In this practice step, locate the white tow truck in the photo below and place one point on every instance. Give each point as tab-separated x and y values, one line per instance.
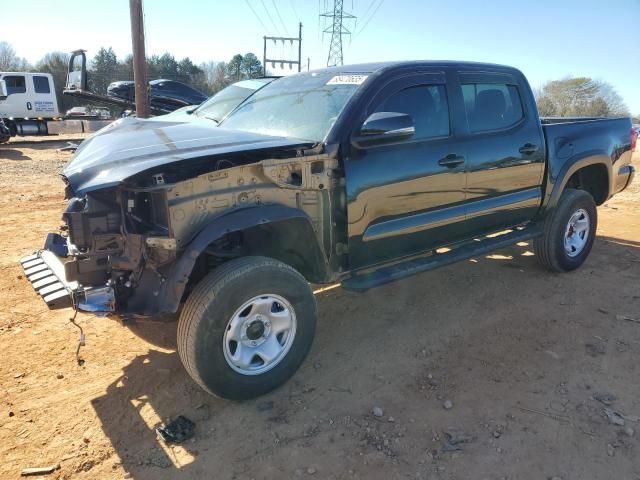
27	101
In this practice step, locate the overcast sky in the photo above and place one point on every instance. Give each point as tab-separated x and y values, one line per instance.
546	39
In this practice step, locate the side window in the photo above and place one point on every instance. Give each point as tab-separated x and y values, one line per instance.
41	84
15	84
491	106
427	105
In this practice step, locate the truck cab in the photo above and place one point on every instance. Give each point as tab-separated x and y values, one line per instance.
30	100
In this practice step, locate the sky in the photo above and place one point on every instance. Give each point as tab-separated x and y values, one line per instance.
546	39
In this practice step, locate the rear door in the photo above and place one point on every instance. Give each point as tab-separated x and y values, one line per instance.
504	150
406	197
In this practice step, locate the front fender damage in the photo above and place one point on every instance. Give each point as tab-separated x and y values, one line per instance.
136	248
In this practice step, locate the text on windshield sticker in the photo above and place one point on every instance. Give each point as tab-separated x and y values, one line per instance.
347	80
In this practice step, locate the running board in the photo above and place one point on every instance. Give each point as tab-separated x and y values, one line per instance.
365	281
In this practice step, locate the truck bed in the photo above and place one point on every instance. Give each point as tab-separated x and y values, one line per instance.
590	137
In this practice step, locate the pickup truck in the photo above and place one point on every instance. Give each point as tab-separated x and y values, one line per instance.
360	175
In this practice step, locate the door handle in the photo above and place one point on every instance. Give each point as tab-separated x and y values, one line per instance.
528	149
451	160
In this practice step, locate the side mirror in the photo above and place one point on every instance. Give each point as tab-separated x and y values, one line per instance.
383	128
3	90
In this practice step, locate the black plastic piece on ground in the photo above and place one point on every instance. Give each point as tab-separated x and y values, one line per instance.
177	431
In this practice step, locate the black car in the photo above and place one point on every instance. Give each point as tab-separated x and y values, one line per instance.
163	94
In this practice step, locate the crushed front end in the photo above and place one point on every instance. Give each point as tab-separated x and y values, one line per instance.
96	261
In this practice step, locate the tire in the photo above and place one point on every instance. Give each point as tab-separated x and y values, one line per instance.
574	206
213	316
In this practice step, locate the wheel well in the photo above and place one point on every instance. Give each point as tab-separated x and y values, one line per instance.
593	179
292	242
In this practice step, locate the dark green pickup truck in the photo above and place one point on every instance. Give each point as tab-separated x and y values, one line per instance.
358	175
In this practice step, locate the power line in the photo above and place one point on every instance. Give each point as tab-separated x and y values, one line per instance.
256	15
286	31
294	10
373	14
366	12
270	19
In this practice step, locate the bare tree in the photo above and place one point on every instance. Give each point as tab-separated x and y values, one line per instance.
9	61
580	96
220	77
214	76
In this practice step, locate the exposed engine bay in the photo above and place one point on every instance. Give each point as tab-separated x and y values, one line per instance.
118	244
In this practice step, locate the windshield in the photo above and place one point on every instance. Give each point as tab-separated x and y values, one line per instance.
302	106
228	98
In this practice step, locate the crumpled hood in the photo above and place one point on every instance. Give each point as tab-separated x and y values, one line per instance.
130	146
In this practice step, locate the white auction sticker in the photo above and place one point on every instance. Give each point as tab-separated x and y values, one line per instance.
347	80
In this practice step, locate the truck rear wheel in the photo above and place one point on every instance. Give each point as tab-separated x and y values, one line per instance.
247	327
569	232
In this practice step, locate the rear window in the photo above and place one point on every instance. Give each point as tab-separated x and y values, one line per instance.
15	84
491	106
41	84
427	106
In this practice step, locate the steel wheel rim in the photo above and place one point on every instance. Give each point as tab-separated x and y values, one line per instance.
576	234
259	334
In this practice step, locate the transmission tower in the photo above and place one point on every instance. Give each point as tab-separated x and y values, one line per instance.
337	29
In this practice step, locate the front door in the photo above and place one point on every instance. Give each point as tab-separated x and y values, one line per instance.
406	197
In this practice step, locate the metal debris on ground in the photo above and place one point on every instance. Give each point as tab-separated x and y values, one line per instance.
177	431
614	417
71	147
454	439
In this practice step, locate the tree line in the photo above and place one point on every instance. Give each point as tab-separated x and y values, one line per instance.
105	67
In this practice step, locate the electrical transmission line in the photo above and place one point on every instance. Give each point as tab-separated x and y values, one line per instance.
286	31
256	15
269	17
337	29
369	19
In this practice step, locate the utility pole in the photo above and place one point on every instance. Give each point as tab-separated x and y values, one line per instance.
337	29
139	59
299	47
282	61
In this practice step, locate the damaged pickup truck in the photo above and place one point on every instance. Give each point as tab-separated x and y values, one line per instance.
358	175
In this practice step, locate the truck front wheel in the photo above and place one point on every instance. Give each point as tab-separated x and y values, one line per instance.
568	233
247	327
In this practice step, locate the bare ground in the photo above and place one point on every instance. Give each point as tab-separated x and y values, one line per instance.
523	355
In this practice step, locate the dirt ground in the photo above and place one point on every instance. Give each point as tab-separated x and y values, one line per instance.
529	360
